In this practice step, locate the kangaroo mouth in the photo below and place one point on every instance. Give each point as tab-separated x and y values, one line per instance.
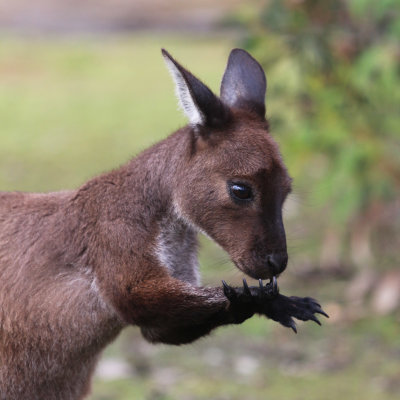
257	272
271	287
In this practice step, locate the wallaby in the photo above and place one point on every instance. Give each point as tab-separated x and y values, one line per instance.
78	266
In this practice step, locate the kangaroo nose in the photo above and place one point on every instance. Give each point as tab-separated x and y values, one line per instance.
277	262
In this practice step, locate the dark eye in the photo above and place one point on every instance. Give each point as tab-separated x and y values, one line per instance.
240	191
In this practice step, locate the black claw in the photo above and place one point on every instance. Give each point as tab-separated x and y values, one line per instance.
274	282
315	319
228	291
246	289
322	312
293	326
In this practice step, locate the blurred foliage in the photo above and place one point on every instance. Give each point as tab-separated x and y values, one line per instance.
335	109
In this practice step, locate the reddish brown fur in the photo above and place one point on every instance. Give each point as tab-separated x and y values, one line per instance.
78	266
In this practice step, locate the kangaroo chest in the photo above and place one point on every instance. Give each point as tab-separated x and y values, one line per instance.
177	249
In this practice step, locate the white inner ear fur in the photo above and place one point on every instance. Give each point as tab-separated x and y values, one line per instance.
185	99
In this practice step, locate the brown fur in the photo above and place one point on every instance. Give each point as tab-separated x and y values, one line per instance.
78	266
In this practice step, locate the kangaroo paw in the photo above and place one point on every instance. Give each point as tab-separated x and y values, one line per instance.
283	309
266	300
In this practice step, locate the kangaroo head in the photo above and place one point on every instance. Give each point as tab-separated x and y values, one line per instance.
233	184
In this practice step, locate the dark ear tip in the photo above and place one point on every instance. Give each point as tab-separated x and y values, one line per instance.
238	50
166	54
240	53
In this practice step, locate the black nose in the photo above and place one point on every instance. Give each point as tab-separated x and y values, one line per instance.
277	262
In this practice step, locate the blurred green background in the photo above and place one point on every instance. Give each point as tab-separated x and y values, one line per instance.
83	88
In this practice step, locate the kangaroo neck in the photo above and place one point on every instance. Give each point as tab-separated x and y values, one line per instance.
154	174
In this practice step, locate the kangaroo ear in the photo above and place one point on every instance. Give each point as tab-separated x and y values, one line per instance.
244	84
197	101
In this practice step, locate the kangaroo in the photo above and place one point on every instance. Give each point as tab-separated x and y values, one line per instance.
78	266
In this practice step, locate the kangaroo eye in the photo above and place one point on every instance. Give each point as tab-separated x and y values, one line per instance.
240	191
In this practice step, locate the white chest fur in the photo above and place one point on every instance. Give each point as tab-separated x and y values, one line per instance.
177	249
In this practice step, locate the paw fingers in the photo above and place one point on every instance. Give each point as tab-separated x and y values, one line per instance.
305	309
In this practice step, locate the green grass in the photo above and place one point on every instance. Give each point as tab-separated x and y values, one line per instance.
72	108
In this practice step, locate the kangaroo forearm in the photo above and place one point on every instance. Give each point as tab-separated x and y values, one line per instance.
154	303
184	333
175	312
